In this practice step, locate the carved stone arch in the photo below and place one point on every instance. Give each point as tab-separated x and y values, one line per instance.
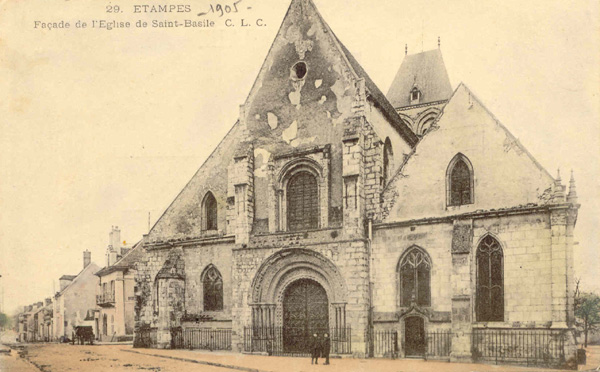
289	172
284	269
426	120
451	199
408	121
287	265
297	165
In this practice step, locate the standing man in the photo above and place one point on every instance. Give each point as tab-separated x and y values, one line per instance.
315	349
326	346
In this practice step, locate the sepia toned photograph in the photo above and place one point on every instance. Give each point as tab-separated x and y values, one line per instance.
299	185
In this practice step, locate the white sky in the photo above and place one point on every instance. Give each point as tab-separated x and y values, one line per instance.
98	128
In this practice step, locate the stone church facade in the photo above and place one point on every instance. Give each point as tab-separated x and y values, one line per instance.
385	221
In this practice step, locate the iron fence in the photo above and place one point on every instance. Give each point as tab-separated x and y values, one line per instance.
201	338
145	338
541	347
290	342
385	343
439	344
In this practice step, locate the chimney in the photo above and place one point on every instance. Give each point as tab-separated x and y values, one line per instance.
112	258
115	238
87	258
48	301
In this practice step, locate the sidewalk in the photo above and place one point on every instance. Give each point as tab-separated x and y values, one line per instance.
254	363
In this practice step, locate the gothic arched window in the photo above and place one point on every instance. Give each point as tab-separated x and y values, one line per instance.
459	181
210	211
414	278
212	284
388	154
490	281
302	202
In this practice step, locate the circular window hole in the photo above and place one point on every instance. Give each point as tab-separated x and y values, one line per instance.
299	70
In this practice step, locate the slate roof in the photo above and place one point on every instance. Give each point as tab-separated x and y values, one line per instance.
427	71
126	262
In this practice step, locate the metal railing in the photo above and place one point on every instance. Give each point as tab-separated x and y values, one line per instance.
386	344
105	298
541	347
292	342
201	338
439	344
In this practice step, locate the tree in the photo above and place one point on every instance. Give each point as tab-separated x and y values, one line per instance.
4	321
587	312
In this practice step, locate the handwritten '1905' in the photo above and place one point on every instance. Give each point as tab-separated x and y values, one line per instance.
222	9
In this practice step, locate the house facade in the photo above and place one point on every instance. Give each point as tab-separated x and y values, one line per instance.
115	296
402	224
77	296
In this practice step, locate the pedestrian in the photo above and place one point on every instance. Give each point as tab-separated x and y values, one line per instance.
315	349
325	347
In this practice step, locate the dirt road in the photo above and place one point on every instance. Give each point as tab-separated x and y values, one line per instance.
123	358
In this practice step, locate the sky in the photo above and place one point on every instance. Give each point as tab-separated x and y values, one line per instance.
104	127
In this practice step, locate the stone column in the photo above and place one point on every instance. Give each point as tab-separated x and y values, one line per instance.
462	241
241	191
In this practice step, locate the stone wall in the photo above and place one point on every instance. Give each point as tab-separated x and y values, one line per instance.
526	244
349	257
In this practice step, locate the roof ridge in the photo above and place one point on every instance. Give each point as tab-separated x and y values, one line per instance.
506	130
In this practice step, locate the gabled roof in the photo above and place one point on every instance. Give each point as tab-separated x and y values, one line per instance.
426	71
357	70
90	266
126	262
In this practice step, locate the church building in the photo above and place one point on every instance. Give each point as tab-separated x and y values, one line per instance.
407	224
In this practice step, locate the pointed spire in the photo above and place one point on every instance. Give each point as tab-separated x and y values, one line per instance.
572	197
405	49
439	43
559	190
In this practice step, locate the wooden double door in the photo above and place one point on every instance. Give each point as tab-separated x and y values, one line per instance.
305	312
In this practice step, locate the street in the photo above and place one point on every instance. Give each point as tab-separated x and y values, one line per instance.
66	357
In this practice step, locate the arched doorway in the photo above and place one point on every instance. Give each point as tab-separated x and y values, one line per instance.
305	312
414	336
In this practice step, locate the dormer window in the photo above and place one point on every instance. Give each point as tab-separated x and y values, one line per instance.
415	95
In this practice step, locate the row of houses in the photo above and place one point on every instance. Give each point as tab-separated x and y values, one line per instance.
99	297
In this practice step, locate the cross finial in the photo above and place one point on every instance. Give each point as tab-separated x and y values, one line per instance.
405	49
439	43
